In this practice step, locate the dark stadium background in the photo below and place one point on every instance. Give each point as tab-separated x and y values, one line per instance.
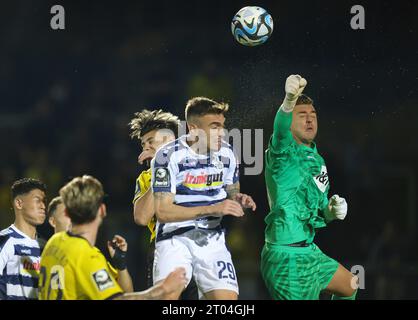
66	98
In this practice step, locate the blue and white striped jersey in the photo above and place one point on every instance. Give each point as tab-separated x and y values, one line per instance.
195	179
19	265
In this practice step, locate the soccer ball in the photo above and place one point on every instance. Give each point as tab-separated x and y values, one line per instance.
252	26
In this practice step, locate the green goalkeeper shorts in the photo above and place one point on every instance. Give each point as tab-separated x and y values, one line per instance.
296	273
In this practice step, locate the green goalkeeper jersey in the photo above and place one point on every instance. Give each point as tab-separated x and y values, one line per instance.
297	186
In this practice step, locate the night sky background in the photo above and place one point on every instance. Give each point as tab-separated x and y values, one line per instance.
66	97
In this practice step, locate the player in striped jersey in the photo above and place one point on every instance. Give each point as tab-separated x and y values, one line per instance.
20	250
195	183
153	129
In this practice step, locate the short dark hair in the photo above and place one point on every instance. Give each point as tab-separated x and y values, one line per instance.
146	121
82	198
26	185
52	207
200	106
304	99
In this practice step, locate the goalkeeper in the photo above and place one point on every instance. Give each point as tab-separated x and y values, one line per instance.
292	265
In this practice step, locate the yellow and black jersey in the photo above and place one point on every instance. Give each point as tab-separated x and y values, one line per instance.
72	269
143	183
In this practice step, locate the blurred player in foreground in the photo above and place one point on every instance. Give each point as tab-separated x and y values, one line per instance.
293	267
195	183
153	129
118	247
72	268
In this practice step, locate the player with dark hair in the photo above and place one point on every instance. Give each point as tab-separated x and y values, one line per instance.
292	265
153	129
195	183
72	268
20	250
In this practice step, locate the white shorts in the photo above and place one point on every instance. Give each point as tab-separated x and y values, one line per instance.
203	254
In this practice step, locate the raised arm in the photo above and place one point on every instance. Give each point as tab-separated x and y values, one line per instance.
283	120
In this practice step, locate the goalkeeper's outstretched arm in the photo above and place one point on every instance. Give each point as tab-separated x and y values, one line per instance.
283	120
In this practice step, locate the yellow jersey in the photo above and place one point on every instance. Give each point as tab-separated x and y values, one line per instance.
72	269
143	183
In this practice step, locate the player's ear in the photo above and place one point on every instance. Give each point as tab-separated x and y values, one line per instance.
191	126
165	138
51	221
169	136
102	210
18	203
193	130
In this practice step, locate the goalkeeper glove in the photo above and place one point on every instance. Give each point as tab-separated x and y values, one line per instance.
336	209
293	87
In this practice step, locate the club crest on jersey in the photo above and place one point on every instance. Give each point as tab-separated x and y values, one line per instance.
217	164
162	177
103	280
321	180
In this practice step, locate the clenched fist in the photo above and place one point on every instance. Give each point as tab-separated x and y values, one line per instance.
294	87
337	208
